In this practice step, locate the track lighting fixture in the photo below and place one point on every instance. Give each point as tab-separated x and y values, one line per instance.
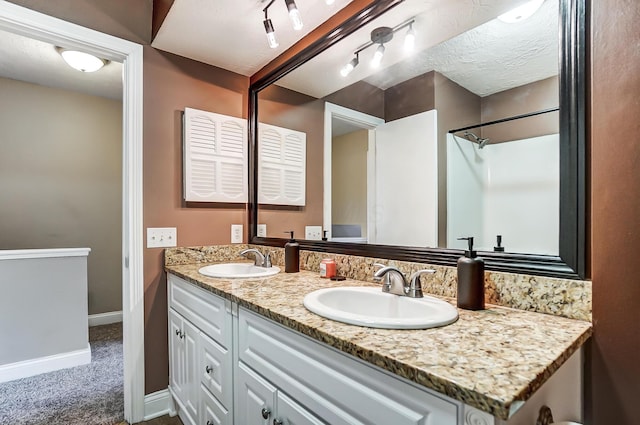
409	39
268	27
380	36
271	33
294	14
377	56
346	70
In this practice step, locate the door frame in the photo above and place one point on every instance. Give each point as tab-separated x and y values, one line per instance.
365	121
26	22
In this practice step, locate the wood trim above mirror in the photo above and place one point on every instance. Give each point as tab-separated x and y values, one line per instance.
571	263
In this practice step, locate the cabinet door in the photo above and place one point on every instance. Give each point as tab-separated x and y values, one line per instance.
256	400
177	360
291	413
211	411
214	370
191	336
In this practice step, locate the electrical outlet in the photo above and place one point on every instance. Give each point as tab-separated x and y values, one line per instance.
313	233
161	237
236	233
262	230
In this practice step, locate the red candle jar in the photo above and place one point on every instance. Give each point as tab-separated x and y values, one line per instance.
327	268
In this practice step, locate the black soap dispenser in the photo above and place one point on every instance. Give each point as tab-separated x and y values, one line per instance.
470	279
498	247
291	255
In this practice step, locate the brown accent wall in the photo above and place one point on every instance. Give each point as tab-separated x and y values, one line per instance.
172	83
128	19
360	96
410	97
532	97
613	369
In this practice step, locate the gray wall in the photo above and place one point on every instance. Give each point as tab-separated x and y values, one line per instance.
61	179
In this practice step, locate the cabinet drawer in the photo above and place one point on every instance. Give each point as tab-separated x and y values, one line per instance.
205	310
211	411
335	387
215	370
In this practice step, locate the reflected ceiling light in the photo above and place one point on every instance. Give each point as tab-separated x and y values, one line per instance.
329	2
81	61
409	39
522	12
377	56
294	14
346	70
380	36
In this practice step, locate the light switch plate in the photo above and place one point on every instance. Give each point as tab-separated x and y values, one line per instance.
262	230
161	237
236	233
313	233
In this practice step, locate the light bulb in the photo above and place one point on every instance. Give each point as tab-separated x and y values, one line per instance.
82	61
521	13
410	40
346	70
294	14
377	56
271	34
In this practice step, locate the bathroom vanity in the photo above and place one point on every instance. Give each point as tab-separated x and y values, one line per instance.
248	352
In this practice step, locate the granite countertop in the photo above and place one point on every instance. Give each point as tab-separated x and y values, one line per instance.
493	359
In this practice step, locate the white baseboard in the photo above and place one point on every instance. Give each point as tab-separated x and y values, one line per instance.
105	318
158	404
46	364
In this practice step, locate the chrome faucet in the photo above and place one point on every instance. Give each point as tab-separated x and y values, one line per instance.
395	282
259	259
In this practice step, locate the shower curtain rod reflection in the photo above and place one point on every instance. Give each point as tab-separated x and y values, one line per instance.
516	117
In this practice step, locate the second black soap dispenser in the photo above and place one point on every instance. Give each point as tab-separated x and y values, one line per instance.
291	255
470	279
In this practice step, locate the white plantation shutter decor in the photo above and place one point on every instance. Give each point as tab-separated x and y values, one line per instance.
282	165
215	157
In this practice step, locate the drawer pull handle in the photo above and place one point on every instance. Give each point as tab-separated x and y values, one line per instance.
265	413
180	334
208	369
277	422
210	423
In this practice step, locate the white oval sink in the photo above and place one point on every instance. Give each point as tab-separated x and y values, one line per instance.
373	308
238	270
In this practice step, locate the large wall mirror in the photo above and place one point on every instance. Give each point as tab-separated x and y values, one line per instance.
471	123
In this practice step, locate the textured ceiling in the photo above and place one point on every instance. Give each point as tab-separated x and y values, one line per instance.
36	62
230	34
459	38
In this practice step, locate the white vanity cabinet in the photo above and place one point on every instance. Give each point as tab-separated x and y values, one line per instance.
229	365
200	358
296	371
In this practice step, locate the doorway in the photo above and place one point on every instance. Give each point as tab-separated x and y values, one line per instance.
19	20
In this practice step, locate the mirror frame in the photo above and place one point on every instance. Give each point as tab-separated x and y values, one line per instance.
571	261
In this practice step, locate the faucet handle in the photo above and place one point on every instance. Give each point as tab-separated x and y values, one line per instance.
267	260
415	287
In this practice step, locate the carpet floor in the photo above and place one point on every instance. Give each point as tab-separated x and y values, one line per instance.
91	394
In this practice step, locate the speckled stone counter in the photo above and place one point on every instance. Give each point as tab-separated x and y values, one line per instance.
492	360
